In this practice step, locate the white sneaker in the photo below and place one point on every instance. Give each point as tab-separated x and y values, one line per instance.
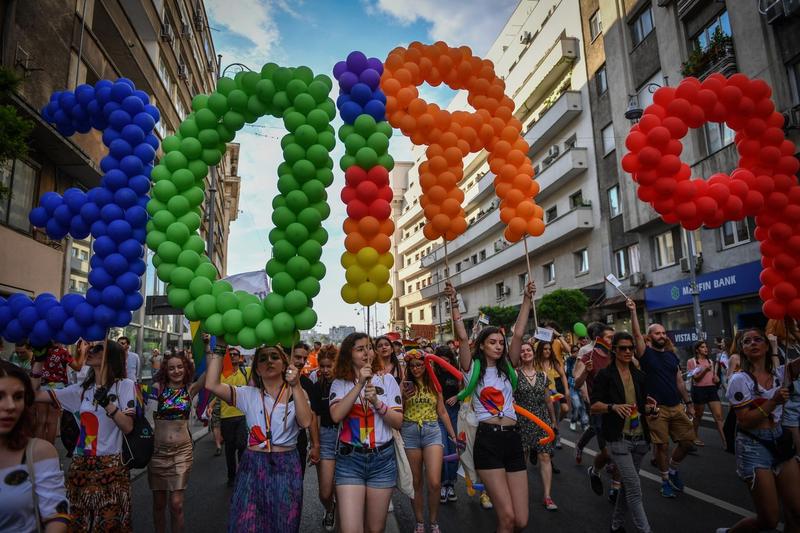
572	426
443	495
391	506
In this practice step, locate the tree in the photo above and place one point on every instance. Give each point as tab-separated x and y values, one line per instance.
563	306
14	130
502	317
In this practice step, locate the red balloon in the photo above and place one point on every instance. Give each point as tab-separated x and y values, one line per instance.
773	309
380	209
367	191
354	175
356	209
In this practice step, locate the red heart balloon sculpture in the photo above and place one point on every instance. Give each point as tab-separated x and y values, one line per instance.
764	184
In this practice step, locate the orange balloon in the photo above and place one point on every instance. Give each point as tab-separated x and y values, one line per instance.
458	226
514	197
417	107
387	227
535	227
518	225
369	226
350	225
522	182
430	233
354	242
507	213
381	243
437	194
525	209
438	164
451	207
427	180
440	222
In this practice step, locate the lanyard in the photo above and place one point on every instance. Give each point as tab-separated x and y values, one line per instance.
268	419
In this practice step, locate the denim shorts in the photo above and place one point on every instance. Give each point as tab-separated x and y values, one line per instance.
375	470
327	442
417	437
752	455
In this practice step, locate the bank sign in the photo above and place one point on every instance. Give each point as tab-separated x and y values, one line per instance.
725	283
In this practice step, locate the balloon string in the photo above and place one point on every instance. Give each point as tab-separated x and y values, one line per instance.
447	278
530	278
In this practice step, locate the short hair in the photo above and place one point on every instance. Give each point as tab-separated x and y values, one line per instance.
551	324
317	343
593	329
603	328
301	345
123	337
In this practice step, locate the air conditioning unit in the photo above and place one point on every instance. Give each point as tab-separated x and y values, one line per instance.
499	245
638	279
166	32
186	29
526	37
552	153
537	169
791	118
183	71
506	291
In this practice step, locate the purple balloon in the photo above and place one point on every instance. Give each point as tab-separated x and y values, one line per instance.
356	62
371	78
346	81
339	68
375	64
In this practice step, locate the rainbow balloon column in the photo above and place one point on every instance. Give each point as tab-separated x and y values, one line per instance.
367	193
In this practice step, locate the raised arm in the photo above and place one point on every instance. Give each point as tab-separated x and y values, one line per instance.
198	384
636	330
213	370
522	321
460	332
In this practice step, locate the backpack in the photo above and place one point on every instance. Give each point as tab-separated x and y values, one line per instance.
138	445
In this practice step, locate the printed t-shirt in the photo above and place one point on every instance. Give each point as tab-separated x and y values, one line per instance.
708	378
239	378
421	407
661	369
633	424
54	368
493	395
99	435
742	391
362	427
279	429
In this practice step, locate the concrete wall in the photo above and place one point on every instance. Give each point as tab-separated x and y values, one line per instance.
32	268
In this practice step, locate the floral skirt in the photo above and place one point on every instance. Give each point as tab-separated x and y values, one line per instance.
99	493
269	493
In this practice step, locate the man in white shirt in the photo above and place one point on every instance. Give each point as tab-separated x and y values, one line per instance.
131	359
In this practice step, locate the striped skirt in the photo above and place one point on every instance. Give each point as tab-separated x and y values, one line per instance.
269	493
99	493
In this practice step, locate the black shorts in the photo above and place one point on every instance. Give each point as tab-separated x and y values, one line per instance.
498	449
704	395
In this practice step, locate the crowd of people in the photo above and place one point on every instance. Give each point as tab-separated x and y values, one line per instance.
373	416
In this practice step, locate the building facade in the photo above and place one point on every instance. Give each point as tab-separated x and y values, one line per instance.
632	48
166	48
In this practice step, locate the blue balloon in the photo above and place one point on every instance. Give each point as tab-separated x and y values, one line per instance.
361	93
133	301
145	152
73	328
98	228
131	249
356	61
101	196
344	97
84	94
110	135
119	118
139	184
131	165
153	112
128	282
123	318
41	334
370	77
116	264
126	197
379	96
108	163
70	302
79	114
347	80
17	302
104	246
111	212
63	215
138	267
56	316
110	107
50	201
90	212
104	315
78	228
5	316
119	230
84	314
103	93
375	64
95	261
143	96
28	317
95	332
126	81
94	296
350	111
145	121
376	110
152	140
136	216
14	331
339	68
132	105
66	101
121	90
100	279
74	198
113	297
140	234
55	230
119	148
133	133
38	216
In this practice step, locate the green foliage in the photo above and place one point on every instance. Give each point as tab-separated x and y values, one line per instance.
14	130
564	306
502	317
700	60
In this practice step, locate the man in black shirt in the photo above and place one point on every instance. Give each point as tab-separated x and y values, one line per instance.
299	358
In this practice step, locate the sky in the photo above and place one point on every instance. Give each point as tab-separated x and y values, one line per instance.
318	34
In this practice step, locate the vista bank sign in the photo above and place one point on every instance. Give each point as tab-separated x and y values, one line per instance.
725	283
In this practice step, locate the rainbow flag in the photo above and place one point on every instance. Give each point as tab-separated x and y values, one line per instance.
556	396
198	349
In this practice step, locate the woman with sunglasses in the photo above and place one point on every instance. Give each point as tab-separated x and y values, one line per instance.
423	408
765	454
367	405
169	468
269	482
98	483
619	394
498	454
19	454
328	432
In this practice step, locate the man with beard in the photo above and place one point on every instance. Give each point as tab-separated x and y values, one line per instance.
665	384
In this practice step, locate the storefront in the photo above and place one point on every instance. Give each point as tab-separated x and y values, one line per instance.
728	301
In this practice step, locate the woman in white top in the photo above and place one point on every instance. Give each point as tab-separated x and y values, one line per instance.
19	454
498	453
98	483
268	492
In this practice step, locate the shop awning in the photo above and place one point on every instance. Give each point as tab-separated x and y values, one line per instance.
619	300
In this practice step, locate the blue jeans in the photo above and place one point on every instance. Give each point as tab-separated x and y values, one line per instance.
579	413
376	470
449	470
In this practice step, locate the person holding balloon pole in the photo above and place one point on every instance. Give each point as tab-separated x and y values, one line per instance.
268	491
498	453
368	406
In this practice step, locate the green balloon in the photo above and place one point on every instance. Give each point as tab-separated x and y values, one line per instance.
327	139
285	168
213	324
280	101
265	90
226	133
169	251
233	120
206	270
200	286
198	168
275	267
246	298
205	119
209	138
296	200
386	161
256	106
325	80
292	154
305	135
178	205
306	319
325	176
318	91
195	243
304	103
310	286
310	250
218	104
366	157
231	339
282	217
287	139
162	220
281	77
164	270
384	127
318	119
318	270
378	142
304	74
265	332
303	170
221	287
177	232
364	125
314	190
189	259
295	302
354	143
154	239
227	301
282	283
160	173
252	314
171	143
175	160
323	209
164	190
320	236
190	313
181	277
276	235
237	100
296	88
346	131
283	251
178	297
183	179
194	195
248	338
298	267
250	82
318	155
310	218
189	127
329	108
293	120
283	324
296	234
232	321
268	70
346	162
273	304
225	85
191	220
287	184
580	329
212	156
279	201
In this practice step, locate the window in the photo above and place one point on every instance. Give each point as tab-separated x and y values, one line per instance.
522	281
720	23
474	259
500	290
481	255
582	261
570	143
734	233
418	285
410	318
664	249
551	214
595	25
642	26
576	200
458	266
549	273
422	314
718	135
633	256
793	72
614	207
433	311
600	80
20	179
608	139
621	263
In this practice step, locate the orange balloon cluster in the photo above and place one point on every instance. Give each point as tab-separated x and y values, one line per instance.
451	136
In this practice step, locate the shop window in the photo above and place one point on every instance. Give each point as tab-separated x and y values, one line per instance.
641	26
601	80
549	273
614	206
664	249
608	139
582	261
595	25
734	233
19	180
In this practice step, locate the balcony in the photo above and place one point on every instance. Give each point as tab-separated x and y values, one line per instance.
549	125
487	224
413	214
408	270
568	165
410	299
556	63
479	191
76	265
720	56
411	242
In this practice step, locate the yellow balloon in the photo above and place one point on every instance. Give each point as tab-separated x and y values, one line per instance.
367	257
379	275
386	260
349	293
367	293
348	259
384	293
355	275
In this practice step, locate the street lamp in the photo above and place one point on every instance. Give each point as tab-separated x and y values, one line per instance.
634	113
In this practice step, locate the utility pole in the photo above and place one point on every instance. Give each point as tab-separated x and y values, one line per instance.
693	288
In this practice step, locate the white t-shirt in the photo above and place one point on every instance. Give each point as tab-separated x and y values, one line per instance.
742	391
493	396
362	427
16	505
133	366
99	434
283	423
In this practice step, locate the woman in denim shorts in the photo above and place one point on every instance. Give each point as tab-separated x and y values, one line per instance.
328	432
423	408
764	453
367	406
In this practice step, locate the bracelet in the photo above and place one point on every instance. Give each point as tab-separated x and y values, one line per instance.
383	409
111	415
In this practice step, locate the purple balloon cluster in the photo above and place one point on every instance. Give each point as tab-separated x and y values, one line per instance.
113	213
359	87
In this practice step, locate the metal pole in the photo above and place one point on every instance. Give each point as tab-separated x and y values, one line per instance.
439	305
693	288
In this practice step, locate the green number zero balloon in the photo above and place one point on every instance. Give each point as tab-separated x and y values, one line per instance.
301	100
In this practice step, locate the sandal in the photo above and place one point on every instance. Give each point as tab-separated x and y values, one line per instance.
435	528
699	443
420	528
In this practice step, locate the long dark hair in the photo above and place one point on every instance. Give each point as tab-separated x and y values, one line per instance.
392	356
696	346
538	355
114	364
745	361
162	376
257	381
23	429
344	361
477	353
425	381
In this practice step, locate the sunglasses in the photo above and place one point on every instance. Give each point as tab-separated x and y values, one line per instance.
269	357
751	340
624	348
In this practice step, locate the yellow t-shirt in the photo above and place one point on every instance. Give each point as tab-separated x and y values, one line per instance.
557	348
421	407
237	379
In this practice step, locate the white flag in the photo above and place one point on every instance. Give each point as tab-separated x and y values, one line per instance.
543	334
612	279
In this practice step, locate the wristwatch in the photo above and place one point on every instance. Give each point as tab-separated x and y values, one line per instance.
610	407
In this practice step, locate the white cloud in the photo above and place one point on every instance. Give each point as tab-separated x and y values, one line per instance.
476	24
